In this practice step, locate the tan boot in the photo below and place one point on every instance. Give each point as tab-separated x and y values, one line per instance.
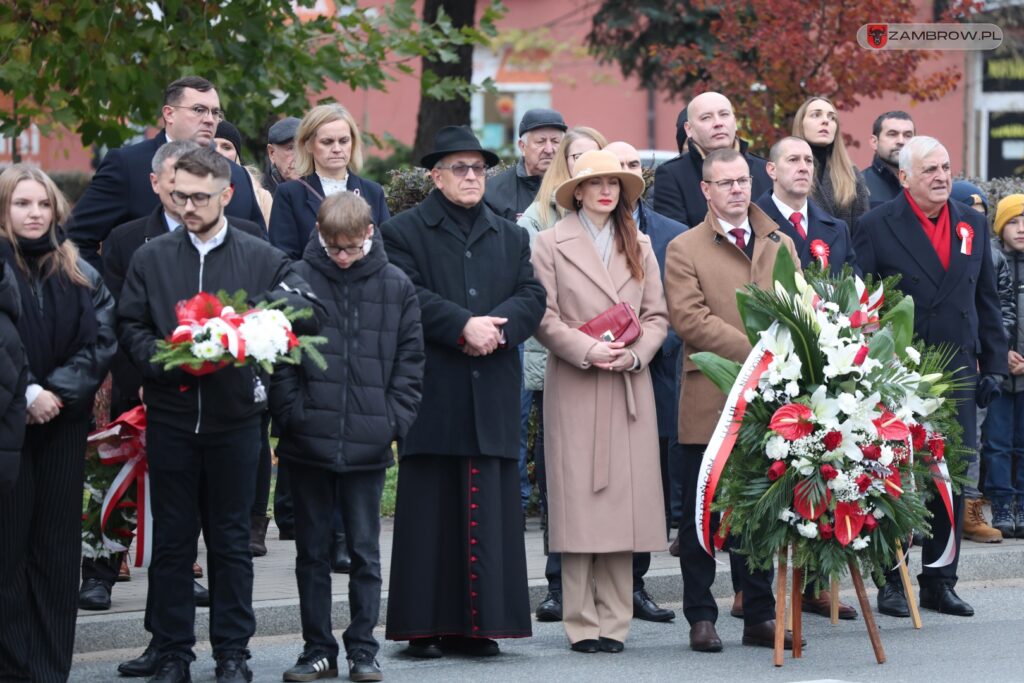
975	527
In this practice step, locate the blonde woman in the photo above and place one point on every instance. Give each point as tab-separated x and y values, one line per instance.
67	327
328	154
838	187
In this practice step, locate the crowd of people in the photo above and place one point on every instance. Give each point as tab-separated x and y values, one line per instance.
552	288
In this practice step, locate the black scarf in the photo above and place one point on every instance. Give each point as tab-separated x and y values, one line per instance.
822	155
460	215
57	316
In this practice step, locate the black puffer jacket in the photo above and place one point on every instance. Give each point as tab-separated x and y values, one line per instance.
13	380
344	418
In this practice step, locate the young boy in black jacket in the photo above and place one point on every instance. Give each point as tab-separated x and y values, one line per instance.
337	425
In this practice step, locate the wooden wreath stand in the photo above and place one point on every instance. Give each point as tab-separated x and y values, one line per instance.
796	597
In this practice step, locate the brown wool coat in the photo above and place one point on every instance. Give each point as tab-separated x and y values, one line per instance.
703	271
600	427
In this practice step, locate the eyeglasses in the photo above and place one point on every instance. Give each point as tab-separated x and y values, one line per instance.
333	251
198	198
201	111
727	184
461	170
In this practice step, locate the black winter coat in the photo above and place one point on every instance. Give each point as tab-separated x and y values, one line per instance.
510	192
344	418
470	404
169	269
13	381
882	183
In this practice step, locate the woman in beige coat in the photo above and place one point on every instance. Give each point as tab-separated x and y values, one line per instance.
601	435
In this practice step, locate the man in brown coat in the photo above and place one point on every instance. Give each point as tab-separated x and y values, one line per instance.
734	246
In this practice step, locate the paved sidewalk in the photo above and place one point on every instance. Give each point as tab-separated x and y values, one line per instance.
275	595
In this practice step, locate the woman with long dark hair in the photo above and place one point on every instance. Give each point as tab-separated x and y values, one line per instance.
601	437
67	326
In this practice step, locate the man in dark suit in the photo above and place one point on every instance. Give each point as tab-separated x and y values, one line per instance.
120	191
941	250
791	168
710	124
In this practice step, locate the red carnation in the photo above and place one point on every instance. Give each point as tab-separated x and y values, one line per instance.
825	530
863	482
918	435
828	473
777	469
832	440
792	421
937	445
870	522
871	451
862	353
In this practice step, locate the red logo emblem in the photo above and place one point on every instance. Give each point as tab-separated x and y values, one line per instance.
878	35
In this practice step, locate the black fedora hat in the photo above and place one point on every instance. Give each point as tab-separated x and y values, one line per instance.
451	139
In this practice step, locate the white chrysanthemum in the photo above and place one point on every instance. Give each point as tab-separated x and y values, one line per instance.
788	516
847	403
807	529
768	395
749	395
207	350
912	355
265	337
777	448
861	542
878	513
792	389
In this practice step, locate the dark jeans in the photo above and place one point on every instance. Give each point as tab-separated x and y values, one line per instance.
316	492
529	399
698	568
217	472
1004	446
674	499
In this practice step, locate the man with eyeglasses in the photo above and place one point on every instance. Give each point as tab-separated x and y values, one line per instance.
203	432
734	246
511	191
710	124
458	564
120	190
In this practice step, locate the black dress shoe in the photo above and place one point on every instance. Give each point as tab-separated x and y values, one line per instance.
143	665
763	635
550	609
472	647
943	599
341	563
610	645
704	637
202	595
645	608
588	646
233	670
425	648
94	595
892	602
172	670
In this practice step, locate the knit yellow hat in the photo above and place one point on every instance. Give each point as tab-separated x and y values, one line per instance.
1009	208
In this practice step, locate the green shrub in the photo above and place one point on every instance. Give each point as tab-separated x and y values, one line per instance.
71	183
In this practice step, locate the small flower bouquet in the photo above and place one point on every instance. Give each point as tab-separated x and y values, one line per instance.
833	428
212	334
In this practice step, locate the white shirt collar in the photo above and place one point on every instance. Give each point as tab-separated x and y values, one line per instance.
786	211
209	245
744	226
171	223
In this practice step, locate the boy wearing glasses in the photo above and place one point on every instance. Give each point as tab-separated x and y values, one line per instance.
337	426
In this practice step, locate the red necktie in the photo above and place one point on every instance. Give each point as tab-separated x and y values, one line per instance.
795	220
741	237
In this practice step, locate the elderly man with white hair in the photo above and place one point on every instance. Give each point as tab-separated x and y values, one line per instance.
940	249
510	192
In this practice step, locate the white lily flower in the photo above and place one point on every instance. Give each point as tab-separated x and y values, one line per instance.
886	456
804	466
825	409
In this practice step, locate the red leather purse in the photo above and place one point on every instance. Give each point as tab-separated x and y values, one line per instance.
618	324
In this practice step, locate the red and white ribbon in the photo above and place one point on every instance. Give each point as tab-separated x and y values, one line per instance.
940	475
966	234
724	437
819	250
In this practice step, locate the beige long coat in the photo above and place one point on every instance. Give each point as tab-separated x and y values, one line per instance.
600	427
703	270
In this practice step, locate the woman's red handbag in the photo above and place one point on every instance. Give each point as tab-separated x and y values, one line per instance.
618	324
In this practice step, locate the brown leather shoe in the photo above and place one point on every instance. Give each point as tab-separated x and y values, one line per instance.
124	573
704	637
763	635
823	605
737	606
673	549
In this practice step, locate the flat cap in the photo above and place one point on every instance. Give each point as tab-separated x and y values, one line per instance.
541	118
283	131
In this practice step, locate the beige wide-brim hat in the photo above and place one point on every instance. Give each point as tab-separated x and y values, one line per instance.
599	164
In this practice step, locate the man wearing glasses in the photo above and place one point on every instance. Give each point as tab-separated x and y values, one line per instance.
710	124
734	246
120	189
458	566
203	432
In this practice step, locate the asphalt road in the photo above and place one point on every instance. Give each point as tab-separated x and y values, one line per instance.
988	647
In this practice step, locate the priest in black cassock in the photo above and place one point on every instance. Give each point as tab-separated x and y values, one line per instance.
458	564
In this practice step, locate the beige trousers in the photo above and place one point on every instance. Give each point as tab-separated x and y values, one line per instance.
597	595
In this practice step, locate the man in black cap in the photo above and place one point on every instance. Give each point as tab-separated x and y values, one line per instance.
281	153
458	564
511	191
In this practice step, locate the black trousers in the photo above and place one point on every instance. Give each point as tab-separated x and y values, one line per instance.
260	502
40	552
698	568
284	514
216	472
316	493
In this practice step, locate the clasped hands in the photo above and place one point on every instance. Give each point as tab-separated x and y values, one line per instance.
482	335
46	407
613	356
